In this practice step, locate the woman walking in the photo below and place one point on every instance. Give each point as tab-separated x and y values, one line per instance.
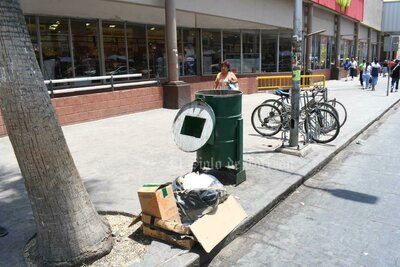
375	67
366	75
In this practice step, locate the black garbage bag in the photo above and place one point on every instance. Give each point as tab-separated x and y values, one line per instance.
194	203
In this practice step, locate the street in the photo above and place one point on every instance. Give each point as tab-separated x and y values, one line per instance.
345	215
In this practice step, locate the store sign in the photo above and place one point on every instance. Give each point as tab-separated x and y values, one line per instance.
343	4
353	9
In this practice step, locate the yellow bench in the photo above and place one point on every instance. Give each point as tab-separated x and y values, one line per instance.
308	82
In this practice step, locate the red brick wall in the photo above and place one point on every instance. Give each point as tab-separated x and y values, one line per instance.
73	109
326	72
80	108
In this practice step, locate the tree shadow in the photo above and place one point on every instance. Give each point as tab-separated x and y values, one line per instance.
349	195
15	215
139	237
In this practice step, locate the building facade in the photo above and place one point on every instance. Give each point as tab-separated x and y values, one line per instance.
77	38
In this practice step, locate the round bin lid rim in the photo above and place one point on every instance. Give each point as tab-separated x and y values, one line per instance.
231	93
195	143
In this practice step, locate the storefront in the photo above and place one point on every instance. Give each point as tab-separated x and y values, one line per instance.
92	38
116	37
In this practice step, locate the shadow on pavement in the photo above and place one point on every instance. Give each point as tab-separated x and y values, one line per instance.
349	195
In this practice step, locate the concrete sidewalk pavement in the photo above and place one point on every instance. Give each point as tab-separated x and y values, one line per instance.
116	156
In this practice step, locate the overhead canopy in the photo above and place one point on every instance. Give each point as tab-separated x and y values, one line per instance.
391	18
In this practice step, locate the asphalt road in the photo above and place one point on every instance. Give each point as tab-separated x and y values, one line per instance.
348	214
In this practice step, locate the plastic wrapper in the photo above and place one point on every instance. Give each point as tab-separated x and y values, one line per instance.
196	195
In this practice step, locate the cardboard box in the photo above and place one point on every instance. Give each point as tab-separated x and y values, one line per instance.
170	225
159	201
208	230
169	237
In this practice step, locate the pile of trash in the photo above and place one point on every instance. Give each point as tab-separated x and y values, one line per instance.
196	195
193	208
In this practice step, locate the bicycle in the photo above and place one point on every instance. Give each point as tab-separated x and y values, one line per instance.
333	104
323	98
318	124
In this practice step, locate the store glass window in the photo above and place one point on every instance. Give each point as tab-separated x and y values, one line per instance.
251	51
346	50
341	52
211	40
32	30
269	43
137	50
330	59
86	52
55	48
373	52
316	52
285	48
157	53
189	56
323	54
363	52
351	49
114	48
231	49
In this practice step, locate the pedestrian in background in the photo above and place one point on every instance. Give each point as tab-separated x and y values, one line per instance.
385	68
225	77
395	75
375	67
346	66
366	75
361	67
353	68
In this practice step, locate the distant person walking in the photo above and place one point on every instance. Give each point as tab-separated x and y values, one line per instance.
366	75
353	68
395	75
375	67
346	66
385	68
361	67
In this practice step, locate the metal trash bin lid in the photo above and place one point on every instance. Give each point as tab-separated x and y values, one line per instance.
193	126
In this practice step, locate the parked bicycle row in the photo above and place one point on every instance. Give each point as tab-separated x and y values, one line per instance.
320	118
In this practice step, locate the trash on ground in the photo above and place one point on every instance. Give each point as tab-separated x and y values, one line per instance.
196	195
158	200
194	180
360	142
214	213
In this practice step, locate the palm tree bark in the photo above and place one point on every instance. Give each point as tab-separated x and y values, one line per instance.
69	229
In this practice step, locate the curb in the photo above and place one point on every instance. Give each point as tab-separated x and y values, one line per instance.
204	258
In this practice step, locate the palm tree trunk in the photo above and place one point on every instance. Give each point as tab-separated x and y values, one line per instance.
69	230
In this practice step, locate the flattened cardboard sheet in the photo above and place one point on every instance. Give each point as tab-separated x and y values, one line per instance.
211	229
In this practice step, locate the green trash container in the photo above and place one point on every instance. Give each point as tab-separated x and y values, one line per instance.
212	125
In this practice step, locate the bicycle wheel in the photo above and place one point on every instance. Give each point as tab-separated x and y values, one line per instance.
322	125
266	120
342	112
274	102
328	106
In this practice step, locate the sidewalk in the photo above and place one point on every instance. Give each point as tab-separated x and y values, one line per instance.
116	156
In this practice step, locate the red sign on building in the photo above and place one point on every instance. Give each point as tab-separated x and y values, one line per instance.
355	10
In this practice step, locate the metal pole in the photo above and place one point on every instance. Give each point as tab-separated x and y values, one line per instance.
172	47
390	58
309	40
296	73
